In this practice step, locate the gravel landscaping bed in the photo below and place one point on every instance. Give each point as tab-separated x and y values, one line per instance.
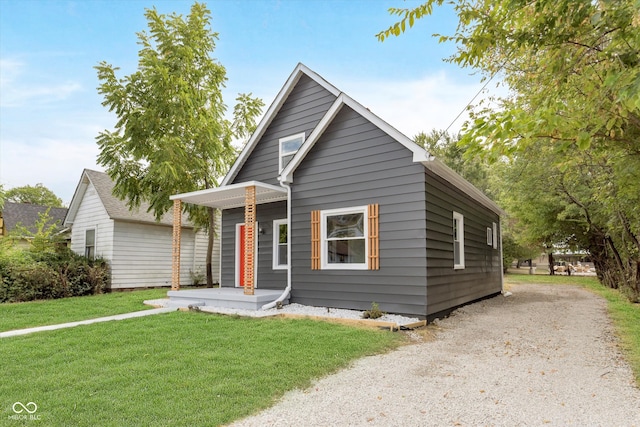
546	355
305	310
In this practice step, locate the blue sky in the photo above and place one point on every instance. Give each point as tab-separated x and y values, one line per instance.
50	111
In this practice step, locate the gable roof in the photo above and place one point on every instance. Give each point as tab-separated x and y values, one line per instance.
419	154
28	214
272	112
116	209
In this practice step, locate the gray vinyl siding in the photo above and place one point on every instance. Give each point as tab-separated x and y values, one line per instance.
448	288
301	112
267	277
354	164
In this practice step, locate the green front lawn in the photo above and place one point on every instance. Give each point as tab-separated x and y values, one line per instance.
625	315
50	312
174	369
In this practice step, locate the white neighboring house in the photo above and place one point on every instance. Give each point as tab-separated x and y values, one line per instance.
137	246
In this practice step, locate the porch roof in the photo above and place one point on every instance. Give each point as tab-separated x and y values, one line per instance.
233	195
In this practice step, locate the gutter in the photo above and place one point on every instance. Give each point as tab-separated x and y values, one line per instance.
287	290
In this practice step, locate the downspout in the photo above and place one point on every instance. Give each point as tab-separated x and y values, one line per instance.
503	291
287	290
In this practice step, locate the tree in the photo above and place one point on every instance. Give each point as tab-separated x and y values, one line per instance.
573	71
445	147
45	238
485	177
172	135
36	195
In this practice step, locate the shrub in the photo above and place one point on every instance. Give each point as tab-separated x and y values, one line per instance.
197	277
373	313
27	275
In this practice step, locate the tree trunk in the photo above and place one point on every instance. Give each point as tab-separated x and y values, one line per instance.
212	232
551	270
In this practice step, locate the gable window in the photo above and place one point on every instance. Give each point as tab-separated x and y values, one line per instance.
90	243
458	241
280	244
288	148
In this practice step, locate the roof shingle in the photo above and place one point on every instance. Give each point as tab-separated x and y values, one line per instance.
28	214
118	209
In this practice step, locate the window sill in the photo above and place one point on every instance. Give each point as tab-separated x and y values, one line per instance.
344	267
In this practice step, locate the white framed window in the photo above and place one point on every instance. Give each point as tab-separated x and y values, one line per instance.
495	236
280	245
289	146
344	238
489	236
90	243
458	241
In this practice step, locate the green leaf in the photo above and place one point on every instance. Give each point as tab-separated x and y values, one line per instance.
584	140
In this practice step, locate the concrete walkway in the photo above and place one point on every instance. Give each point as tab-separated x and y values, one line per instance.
143	313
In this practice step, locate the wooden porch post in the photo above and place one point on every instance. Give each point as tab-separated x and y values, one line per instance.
249	238
175	245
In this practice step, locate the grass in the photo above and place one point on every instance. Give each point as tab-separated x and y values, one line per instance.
625	315
51	312
175	369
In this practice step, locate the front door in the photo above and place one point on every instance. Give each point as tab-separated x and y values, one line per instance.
240	257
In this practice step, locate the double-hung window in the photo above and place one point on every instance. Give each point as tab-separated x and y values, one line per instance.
280	245
344	238
458	241
90	243
289	146
495	236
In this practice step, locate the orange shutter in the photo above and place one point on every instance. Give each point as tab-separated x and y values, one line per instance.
374	245
315	240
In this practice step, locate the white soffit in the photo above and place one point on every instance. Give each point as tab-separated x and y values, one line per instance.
233	196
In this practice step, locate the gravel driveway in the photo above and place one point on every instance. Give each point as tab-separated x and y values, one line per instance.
545	356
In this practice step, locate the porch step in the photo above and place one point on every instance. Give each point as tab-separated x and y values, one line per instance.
233	298
185	303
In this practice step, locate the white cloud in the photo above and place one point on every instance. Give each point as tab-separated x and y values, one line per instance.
20	89
56	163
9	69
414	106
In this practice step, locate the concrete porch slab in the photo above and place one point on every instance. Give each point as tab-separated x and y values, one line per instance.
223	297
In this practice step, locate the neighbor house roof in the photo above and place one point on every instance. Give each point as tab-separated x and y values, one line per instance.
28	214
116	209
420	155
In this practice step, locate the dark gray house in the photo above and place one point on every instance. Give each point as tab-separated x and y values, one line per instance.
349	211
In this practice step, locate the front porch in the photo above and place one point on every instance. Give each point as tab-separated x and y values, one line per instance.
244	296
234	298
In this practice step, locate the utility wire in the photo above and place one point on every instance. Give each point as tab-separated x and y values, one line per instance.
472	99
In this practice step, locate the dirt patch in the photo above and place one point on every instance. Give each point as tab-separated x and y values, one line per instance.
546	355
